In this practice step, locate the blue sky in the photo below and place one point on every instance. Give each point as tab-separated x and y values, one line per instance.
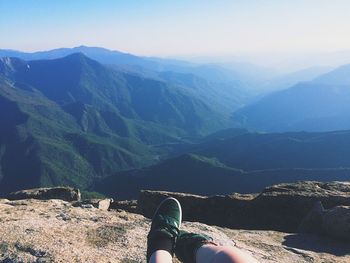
177	27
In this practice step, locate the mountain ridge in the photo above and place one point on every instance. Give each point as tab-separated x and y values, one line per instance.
318	105
237	160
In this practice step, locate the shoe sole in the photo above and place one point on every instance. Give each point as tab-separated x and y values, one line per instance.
178	203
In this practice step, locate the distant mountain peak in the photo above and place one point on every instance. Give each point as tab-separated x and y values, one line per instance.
78	58
95	50
12	64
76	55
82	46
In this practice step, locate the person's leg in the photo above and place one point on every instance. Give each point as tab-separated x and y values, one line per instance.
209	253
164	232
198	248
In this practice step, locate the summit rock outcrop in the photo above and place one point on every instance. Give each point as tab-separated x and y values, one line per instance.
55	230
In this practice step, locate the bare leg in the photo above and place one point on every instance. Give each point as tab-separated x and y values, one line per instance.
161	256
222	254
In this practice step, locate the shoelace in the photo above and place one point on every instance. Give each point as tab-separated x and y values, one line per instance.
168	224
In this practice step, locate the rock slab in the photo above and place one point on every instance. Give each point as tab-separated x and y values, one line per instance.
280	207
64	193
56	231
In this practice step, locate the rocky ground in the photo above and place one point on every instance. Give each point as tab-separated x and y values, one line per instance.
56	231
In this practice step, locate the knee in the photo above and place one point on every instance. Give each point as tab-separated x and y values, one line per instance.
232	255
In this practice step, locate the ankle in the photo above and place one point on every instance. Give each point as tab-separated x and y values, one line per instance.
160	243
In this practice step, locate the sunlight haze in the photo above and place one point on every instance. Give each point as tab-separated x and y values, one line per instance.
177	28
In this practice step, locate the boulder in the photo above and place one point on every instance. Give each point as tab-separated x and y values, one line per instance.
313	222
64	193
102	204
336	222
280	207
284	206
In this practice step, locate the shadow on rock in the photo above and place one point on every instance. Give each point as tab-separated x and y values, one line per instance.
317	244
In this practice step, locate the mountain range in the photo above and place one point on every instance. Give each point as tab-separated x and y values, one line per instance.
237	75
105	120
138	64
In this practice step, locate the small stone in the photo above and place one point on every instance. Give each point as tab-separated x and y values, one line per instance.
102	204
64	217
89	206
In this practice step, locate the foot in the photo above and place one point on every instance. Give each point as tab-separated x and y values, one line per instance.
165	227
187	245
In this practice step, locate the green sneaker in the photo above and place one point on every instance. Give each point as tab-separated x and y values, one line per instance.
187	245
165	227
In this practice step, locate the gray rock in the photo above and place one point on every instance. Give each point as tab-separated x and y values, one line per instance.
286	205
336	223
64	193
64	217
89	206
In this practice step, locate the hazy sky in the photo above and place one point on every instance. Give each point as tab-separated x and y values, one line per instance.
177	27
